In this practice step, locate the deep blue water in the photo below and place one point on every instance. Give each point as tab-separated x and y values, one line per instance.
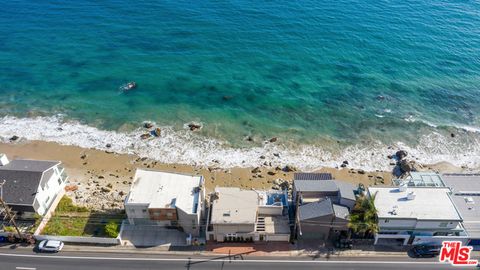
305	71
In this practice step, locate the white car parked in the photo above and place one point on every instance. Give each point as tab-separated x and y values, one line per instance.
50	246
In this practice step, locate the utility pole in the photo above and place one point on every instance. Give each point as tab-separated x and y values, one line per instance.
7	212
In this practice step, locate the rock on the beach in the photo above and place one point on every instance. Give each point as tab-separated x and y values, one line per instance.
108	145
256	170
272	140
361	171
157	132
289	168
405	166
147	125
401	154
145	136
193	126
14	138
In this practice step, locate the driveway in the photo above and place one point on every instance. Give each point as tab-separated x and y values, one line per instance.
152	236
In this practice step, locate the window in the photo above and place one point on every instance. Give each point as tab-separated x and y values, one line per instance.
443	224
387	220
169	214
144	210
59	181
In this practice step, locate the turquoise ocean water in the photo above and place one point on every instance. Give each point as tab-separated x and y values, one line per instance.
335	75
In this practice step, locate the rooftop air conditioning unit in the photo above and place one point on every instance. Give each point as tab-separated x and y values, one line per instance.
3	160
402	188
411	196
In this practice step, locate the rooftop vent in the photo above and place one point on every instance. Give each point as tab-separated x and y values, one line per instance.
3	160
411	196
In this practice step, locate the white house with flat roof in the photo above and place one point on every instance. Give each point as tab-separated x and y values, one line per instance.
238	215
166	199
416	215
465	192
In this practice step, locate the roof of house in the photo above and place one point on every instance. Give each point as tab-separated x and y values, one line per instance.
315	186
22	178
165	190
315	209
466	196
427	204
312	176
347	190
341	211
234	206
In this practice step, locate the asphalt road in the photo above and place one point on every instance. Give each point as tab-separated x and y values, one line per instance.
27	260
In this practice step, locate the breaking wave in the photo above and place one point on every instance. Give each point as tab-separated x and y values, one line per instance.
187	147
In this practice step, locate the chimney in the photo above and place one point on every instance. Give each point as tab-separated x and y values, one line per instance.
3	160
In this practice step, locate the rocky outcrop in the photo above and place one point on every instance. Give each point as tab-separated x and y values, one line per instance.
193	126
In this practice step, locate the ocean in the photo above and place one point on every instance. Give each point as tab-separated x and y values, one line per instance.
332	80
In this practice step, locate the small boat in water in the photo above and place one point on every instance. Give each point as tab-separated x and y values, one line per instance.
129	86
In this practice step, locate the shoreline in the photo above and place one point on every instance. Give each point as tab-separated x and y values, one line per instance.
101	179
190	147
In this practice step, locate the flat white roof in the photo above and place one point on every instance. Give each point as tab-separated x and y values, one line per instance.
234	206
165	190
428	204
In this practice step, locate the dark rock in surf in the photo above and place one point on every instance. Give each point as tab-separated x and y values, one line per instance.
401	154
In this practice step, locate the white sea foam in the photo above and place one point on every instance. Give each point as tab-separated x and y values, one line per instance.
190	148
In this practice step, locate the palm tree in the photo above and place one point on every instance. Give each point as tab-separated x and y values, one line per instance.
363	220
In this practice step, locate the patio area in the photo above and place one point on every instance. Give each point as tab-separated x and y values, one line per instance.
151	236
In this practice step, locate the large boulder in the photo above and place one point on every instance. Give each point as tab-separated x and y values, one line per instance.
193	126
405	166
401	154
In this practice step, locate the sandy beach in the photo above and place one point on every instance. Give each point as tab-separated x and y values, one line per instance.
101	179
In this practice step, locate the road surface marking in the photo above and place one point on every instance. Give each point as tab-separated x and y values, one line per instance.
25	268
215	260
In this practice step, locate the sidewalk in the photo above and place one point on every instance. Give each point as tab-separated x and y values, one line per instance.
231	250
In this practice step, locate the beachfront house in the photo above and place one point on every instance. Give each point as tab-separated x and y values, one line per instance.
29	187
322	206
166	199
465	193
238	215
416	215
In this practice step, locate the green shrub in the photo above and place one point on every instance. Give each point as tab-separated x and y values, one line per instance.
112	229
66	205
9	229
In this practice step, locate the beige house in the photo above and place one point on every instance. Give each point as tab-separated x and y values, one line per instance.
241	215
